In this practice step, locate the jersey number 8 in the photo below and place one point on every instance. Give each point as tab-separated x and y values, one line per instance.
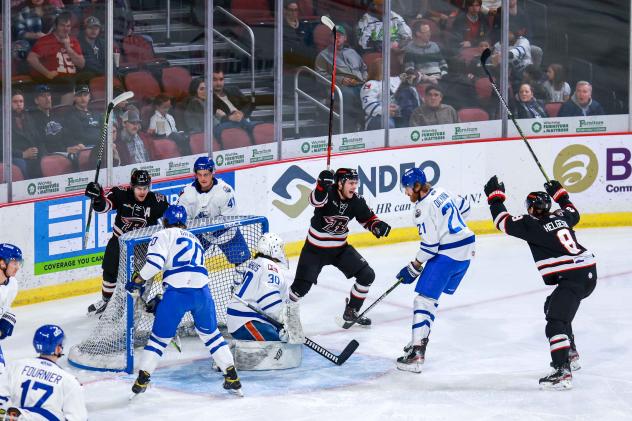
567	241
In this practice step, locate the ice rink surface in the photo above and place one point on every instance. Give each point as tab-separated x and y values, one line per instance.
486	353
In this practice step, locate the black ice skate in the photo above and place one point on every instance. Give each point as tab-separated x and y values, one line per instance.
97	308
141	383
351	314
231	381
560	378
414	357
573	357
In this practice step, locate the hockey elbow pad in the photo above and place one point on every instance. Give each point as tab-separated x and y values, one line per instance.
7	322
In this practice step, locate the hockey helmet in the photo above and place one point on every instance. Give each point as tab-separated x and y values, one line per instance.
271	245
204	163
539	200
175	215
412	176
344	174
140	178
10	252
47	338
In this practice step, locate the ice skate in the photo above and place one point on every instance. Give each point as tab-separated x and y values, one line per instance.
573	357
231	381
141	383
350	315
97	308
560	378
414	357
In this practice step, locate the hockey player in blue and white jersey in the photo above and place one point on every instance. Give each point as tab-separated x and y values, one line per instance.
447	245
10	263
210	197
37	388
180	256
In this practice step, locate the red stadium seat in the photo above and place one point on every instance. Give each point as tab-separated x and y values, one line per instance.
472	114
16	173
146	111
263	133
165	149
553	108
84	160
483	88
235	138
55	165
175	82
196	142
143	84
136	50
371	57
97	87
306	9
251	10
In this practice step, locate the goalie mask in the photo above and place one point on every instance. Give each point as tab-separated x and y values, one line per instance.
271	245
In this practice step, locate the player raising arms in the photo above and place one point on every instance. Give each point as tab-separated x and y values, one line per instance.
179	254
336	203
447	245
136	207
37	388
10	263
561	260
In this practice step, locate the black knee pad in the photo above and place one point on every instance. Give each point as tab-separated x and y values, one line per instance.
301	287
366	276
555	327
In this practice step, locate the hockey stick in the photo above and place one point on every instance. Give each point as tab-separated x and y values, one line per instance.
336	359
104	134
484	56
325	20
347	325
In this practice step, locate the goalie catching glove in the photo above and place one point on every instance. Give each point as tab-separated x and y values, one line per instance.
409	273
495	190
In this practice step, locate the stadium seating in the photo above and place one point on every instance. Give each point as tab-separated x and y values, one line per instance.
143	84
553	108
235	138
263	133
175	82
84	160
16	173
164	149
467	115
55	165
97	87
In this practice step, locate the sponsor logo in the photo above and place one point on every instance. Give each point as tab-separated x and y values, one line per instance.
591	126
305	147
219	160
618	168
428	135
43	187
230	158
549	127
576	167
76	183
178	167
260	155
463	133
303	181
31	189
352	143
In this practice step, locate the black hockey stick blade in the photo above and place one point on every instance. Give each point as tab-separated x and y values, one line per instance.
347	352
336	359
485	55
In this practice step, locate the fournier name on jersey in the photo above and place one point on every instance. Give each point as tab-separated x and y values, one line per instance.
440	220
220	200
180	255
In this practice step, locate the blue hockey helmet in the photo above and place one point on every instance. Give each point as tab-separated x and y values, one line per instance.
175	215
204	163
10	252
412	176
47	338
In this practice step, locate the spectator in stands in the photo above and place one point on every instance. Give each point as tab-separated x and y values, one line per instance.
559	90
371	96
442	12
433	111
93	48
130	146
526	105
458	85
351	73
490	7
296	51
424	56
194	111
534	77
57	57
470	28
162	125
43	127
370	31
94	153
122	107
581	103
406	97
519	58
519	22
25	153
82	128
231	108
34	20
411	9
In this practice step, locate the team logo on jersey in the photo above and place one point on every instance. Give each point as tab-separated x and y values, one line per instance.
417	213
304	183
336	224
343	207
576	167
132	223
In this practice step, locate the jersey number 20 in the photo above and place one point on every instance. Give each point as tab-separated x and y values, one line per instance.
180	260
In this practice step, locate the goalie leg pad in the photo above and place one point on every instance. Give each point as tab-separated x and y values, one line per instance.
291	319
256	331
424	310
270	355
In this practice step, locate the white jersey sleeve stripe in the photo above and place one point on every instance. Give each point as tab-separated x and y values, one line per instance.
429	245
159	267
157	255
268	295
271	305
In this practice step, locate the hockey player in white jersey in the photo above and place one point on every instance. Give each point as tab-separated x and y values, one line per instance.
447	245
264	286
10	263
210	197
37	388
180	256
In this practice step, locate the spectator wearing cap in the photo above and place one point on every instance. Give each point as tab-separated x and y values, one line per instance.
25	153
93	47
56	58
82	128
130	146
44	129
433	111
351	74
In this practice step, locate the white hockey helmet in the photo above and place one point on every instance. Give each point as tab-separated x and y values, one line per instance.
271	245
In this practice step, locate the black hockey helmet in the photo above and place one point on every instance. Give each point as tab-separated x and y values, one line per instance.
140	178
539	200
344	174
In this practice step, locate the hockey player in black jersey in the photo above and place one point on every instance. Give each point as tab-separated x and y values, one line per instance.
136	207
561	260
336	203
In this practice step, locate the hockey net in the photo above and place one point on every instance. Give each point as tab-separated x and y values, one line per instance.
125	324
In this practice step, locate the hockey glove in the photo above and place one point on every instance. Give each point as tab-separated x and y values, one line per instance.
325	179
135	284
495	190
408	274
152	305
6	324
94	191
380	229
555	189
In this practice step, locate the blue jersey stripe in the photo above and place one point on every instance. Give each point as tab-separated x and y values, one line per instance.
432	253
215	348
154	264
197	269
153	338
424	323
157	255
456	244
427	313
251	314
271	305
213	339
45	413
429	245
152	349
267	295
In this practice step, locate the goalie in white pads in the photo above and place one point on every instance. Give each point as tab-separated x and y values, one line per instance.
447	245
10	263
258	344
180	256
37	388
